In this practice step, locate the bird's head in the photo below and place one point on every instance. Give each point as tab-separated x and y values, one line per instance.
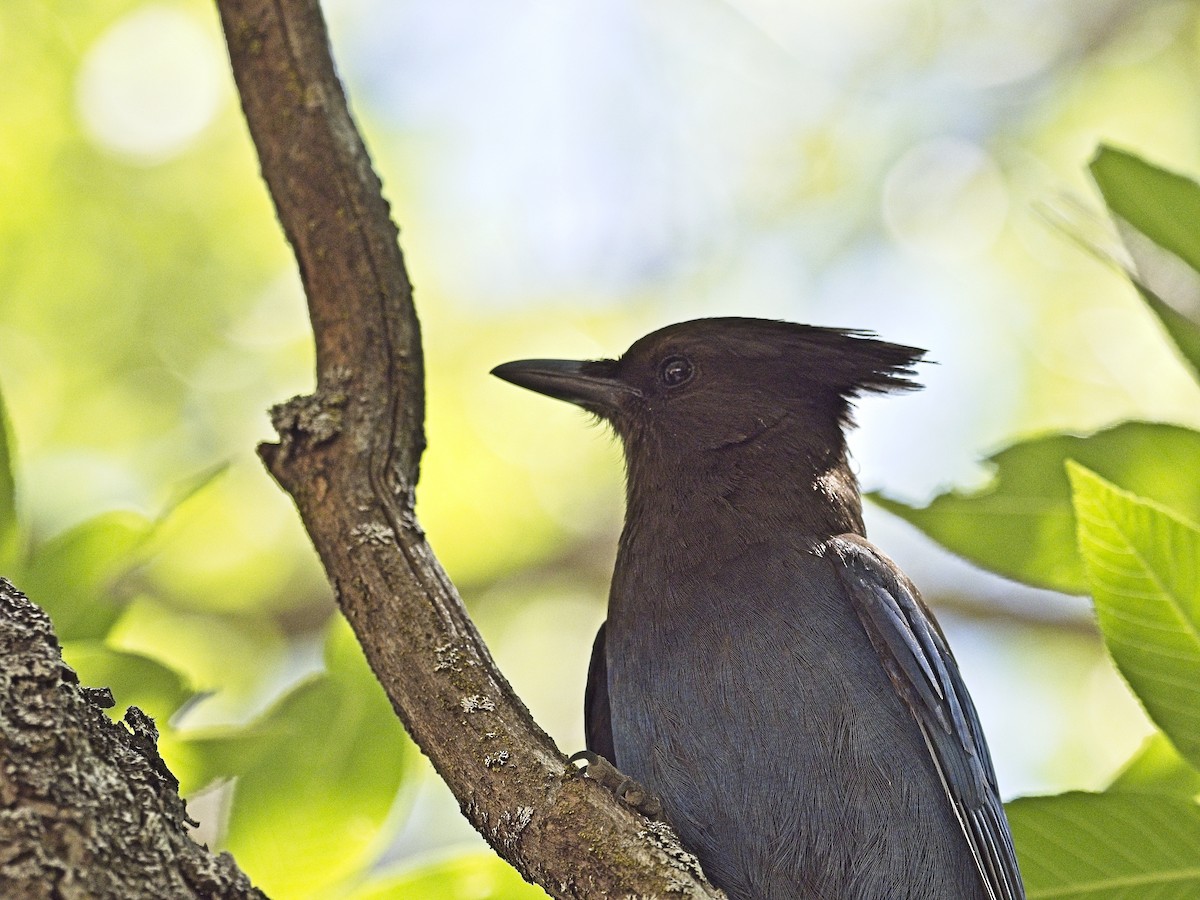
713	384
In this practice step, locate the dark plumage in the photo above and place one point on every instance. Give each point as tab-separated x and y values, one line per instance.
767	672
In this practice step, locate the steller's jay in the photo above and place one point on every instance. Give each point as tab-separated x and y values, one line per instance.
773	678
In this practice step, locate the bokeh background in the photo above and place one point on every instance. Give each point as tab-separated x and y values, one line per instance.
568	176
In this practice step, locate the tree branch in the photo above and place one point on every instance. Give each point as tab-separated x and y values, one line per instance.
349	456
87	808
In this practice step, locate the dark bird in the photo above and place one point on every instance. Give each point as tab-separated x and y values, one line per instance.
769	674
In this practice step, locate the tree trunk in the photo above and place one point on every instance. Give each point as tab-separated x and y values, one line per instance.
87	807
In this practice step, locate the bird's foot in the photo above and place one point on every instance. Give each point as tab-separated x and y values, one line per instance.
621	785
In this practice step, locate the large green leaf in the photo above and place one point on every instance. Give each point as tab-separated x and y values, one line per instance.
1021	524
1107	846
313	806
1162	205
1143	562
1157	768
478	876
71	575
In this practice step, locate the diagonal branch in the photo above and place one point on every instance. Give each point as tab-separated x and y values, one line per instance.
349	456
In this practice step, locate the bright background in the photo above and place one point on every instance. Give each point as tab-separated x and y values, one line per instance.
568	176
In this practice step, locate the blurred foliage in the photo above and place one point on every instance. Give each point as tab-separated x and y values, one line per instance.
1022	525
1160	205
1139	558
314	804
473	876
879	161
1157	768
150	317
1157	209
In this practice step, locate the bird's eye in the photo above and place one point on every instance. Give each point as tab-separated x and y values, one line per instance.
675	370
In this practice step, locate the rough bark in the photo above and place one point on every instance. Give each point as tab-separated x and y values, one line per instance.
87	807
349	455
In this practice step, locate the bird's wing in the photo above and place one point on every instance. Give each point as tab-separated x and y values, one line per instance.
597	719
923	670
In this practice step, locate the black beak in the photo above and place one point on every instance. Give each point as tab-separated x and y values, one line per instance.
591	385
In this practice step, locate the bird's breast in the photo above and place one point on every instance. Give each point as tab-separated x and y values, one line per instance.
747	694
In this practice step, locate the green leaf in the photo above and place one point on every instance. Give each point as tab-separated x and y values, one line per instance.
198	758
314	807
135	680
186	489
1156	212
1157	768
71	575
478	876
10	531
1143	562
1022	525
1107	846
1182	331
226	655
1162	205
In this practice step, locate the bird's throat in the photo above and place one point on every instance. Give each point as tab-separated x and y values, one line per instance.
697	511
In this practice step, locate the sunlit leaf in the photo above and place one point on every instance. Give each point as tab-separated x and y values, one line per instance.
189	487
1143	562
314	807
240	569
1184	332
135	680
1162	205
216	653
1107	846
1156	212
472	876
1022	525
200	758
71	576
1157	768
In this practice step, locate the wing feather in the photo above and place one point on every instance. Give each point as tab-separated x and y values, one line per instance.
922	668
597	717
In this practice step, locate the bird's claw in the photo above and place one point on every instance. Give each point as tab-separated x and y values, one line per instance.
621	785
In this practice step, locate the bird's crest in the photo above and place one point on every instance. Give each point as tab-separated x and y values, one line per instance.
845	360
